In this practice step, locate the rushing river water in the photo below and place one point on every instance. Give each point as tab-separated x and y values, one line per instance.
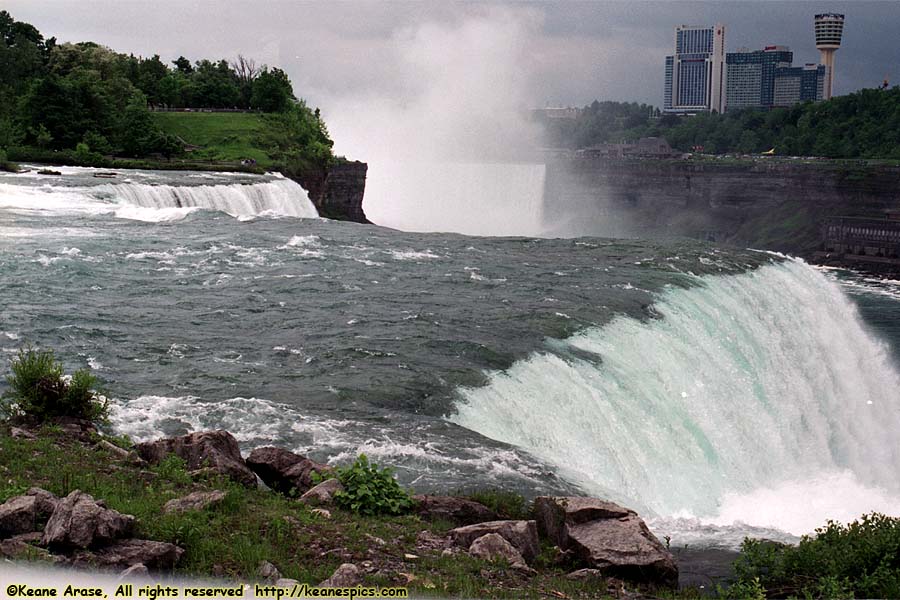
719	392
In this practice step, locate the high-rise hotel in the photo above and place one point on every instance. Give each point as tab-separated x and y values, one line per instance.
701	77
695	74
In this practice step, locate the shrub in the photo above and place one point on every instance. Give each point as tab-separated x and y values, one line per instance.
369	490
861	559
40	390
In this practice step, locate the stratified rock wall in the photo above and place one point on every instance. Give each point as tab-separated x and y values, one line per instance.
776	205
337	193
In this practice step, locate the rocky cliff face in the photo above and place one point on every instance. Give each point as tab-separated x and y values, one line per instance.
772	205
337	192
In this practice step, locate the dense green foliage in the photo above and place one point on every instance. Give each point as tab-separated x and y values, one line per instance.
86	101
40	390
369	490
864	124
859	560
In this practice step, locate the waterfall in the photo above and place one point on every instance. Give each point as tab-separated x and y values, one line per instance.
757	398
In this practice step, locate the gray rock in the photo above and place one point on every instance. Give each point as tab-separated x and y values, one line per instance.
553	513
346	575
521	534
138	570
461	511
23	547
158	556
80	522
286	583
322	493
194	501
45	502
607	537
581	574
214	449
18	515
492	546
284	471
21	434
268	572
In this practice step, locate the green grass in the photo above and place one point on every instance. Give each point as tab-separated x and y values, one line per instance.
255	525
224	137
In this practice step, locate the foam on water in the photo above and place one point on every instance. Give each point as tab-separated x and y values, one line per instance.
140	196
748	398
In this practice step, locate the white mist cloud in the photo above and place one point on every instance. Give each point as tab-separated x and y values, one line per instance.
459	99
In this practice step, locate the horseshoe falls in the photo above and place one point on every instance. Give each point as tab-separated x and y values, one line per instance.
758	399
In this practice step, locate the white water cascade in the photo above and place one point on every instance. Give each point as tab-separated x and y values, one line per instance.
756	399
149	196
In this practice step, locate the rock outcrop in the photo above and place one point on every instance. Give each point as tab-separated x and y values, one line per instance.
607	537
206	449
523	535
346	575
160	556
81	522
492	546
194	501
284	471
461	511
322	493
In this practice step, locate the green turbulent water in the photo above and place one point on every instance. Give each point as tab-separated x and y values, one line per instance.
677	377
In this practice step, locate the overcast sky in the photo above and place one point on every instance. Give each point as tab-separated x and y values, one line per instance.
570	52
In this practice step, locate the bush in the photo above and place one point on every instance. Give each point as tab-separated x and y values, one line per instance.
860	560
40	390
370	491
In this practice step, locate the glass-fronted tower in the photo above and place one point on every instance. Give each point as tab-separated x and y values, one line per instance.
695	74
829	29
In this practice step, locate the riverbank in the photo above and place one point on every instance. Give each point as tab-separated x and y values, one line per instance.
238	533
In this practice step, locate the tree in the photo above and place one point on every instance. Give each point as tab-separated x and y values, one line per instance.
272	91
183	65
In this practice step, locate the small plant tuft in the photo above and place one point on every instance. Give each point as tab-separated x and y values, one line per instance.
39	390
371	491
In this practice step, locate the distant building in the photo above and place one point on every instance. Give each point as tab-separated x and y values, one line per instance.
750	76
558	112
695	74
829	31
799	84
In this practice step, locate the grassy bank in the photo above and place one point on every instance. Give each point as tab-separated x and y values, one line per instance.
222	137
231	539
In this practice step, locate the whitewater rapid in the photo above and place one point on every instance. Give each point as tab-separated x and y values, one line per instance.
757	399
154	197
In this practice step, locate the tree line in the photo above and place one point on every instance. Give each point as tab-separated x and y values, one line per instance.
85	96
864	124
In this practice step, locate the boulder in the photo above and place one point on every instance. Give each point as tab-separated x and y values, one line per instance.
268	572
24	514
23	547
322	493
80	522
214	449
607	537
492	547
158	556
284	471
138	570
18	515
456	510
521	534
45	502
194	501
286	583
346	575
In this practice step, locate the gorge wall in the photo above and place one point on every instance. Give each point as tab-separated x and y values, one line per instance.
770	204
337	193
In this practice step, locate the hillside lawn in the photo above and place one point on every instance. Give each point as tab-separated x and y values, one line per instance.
223	137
